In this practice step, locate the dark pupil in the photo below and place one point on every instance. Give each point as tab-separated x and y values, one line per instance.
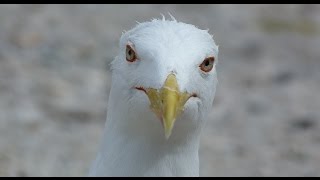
129	52
207	63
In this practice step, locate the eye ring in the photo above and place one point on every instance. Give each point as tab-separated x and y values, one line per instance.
207	64
130	54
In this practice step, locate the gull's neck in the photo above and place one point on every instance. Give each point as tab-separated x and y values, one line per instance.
130	157
128	150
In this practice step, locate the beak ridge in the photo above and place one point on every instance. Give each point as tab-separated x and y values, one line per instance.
167	103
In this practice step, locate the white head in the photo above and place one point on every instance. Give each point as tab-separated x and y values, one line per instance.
149	54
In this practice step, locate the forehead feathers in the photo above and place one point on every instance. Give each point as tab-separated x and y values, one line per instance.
170	35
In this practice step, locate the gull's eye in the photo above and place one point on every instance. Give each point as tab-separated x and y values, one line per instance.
207	64
130	54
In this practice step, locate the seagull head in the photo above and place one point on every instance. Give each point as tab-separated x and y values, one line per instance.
167	72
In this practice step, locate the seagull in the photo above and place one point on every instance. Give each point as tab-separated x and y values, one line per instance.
164	81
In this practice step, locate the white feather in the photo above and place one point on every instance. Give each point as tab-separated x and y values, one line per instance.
133	143
172	18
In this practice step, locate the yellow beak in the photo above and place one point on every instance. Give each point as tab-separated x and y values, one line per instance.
167	103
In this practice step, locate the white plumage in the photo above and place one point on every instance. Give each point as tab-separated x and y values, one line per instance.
134	143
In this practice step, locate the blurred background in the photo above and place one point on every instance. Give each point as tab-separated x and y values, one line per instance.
55	82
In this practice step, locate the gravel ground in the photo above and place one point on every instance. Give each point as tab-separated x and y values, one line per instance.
55	81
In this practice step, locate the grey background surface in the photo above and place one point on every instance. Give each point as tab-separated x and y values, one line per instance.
55	81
